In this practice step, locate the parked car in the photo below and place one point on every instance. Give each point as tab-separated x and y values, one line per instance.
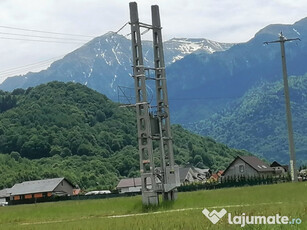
4	203
98	192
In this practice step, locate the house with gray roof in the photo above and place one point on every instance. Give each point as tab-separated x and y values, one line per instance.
41	188
4	195
187	175
248	166
279	169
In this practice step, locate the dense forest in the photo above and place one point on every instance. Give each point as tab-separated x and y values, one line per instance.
68	130
257	121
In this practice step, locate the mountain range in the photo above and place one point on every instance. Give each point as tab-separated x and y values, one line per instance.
257	121
205	79
209	81
104	63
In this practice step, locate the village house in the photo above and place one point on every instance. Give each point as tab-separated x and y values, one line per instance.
248	166
41	188
192	174
4	196
202	174
187	175
278	168
215	177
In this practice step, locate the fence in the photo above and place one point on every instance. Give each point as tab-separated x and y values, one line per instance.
63	198
228	182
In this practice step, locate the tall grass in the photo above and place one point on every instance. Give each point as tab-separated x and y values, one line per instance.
286	199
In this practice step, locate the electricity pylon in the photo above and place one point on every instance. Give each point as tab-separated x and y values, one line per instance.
282	41
153	126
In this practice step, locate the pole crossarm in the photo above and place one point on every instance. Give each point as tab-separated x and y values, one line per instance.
282	39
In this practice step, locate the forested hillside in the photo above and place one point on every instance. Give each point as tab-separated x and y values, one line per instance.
257	121
67	129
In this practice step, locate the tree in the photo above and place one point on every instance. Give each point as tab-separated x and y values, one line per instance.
15	155
36	147
197	159
100	116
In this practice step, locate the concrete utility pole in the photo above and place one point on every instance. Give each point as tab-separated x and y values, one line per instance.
282	41
153	127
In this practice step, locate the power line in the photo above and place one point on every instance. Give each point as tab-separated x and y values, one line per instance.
35	36
25	69
19	69
36	64
47	32
201	98
121	28
33	40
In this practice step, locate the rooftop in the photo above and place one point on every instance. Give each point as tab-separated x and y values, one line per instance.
36	186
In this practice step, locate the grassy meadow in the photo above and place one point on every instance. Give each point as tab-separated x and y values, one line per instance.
185	213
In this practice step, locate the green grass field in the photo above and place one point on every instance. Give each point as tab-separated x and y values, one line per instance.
185	213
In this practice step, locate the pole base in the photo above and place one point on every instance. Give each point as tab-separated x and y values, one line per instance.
150	198
171	195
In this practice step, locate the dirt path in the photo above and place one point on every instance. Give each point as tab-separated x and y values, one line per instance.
148	213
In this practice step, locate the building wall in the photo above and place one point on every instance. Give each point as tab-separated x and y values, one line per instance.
130	189
279	170
188	179
234	170
64	187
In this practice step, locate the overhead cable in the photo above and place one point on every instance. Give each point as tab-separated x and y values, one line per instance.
47	32
35	36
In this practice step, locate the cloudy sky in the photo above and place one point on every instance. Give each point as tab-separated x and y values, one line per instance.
219	20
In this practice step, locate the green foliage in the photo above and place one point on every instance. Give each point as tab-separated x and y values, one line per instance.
7	102
69	130
257	121
201	151
52	117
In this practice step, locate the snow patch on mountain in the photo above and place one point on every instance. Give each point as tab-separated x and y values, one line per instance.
90	73
113	50
178	57
113	80
104	58
298	33
185	46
